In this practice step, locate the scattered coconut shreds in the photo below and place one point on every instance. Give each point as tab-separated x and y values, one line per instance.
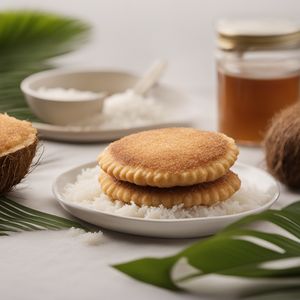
86	191
75	231
92	238
89	238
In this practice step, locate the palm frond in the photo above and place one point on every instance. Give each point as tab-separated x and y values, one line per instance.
28	41
15	217
240	253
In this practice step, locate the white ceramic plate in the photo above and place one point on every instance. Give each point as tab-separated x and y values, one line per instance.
77	134
177	106
179	228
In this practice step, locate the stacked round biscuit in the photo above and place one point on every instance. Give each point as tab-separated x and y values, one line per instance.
170	166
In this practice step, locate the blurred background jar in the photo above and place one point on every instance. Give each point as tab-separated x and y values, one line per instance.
258	64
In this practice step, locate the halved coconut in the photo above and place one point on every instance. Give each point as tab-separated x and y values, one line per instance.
18	143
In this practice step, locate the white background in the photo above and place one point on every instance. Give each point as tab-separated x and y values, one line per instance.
130	34
127	34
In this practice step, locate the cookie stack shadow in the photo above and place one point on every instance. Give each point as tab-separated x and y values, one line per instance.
170	166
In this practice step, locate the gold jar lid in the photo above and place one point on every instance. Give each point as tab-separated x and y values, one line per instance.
241	35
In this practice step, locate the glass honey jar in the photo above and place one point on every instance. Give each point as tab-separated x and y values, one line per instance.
258	67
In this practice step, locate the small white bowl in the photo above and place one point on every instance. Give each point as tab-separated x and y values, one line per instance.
64	112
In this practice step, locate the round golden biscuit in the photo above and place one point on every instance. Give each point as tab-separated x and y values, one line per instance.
207	193
169	157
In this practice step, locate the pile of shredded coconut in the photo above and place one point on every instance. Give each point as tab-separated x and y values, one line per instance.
86	191
63	94
89	238
126	110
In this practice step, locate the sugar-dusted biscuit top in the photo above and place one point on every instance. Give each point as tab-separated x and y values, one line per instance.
169	157
15	134
207	194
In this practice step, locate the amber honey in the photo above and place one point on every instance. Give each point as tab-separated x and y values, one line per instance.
246	105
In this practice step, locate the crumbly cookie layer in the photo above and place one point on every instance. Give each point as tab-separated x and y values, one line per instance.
169	157
206	194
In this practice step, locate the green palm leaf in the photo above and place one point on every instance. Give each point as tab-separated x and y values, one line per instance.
28	40
15	217
239	252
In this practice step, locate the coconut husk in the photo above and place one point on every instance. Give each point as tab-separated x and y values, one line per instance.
282	146
14	166
18	143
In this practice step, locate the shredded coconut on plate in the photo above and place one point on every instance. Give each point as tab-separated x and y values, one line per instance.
86	191
126	110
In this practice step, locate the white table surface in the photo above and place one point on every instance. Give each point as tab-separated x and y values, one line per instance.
53	265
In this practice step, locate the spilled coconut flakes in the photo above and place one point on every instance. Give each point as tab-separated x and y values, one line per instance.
89	238
86	191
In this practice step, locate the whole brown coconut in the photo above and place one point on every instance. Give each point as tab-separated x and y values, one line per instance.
282	146
18	142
